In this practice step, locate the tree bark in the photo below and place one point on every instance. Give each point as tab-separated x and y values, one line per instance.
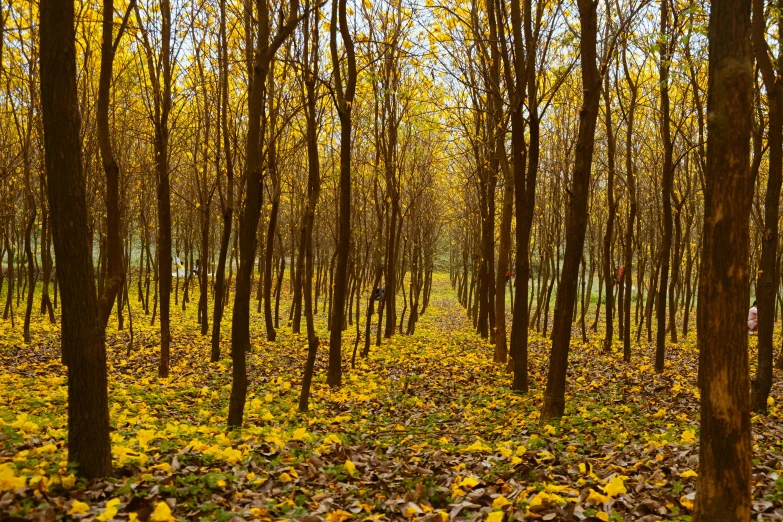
725	479
666	47
344	101
248	223
767	280
82	335
576	223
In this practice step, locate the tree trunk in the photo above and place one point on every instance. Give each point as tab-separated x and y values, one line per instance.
612	211
554	397
666	52
725	478
767	281
82	335
344	103
248	223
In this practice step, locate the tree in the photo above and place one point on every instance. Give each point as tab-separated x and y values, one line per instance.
576	223
266	47
227	201
768	279
159	71
115	265
82	334
666	46
724	483
310	72
344	101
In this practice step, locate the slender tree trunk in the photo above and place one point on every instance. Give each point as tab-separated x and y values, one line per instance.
767	282
631	182
248	224
28	249
666	186
612	211
554	397
344	101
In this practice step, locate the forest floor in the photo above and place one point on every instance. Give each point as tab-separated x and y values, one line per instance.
426	429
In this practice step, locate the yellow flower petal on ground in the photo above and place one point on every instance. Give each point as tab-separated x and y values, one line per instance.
615	487
111	510
495	516
468	482
500	501
162	513
8	478
300	434
68	481
597	497
689	436
78	508
332	439
338	516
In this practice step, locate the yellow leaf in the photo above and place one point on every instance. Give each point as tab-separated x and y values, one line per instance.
351	467
495	516
689	436
78	508
478	446
284	477
499	502
615	487
111	510
162	513
468	482
543	498
603	515
338	516
259	512
597	497
689	473
332	439
8	478
300	434
411	510
68	481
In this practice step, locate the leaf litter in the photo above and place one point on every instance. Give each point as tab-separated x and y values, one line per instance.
426	429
